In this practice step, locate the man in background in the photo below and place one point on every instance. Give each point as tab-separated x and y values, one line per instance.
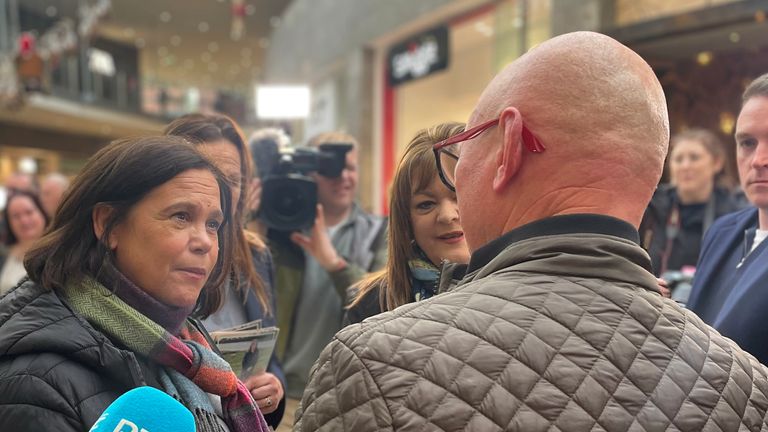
729	289
52	191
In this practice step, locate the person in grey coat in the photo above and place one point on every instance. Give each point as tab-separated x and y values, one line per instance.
558	324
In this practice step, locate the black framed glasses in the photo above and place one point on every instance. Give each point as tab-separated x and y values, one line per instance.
447	156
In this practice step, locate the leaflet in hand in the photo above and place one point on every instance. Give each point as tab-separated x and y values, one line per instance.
247	348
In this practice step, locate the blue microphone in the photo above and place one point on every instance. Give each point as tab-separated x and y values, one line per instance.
145	409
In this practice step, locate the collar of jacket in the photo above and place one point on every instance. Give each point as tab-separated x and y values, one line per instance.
34	320
580	245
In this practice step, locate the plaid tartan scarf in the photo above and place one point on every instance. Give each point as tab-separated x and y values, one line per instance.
187	359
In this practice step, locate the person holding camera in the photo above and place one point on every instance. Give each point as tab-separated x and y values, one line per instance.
315	266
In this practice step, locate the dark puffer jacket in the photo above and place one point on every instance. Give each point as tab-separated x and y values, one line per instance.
58	373
557	327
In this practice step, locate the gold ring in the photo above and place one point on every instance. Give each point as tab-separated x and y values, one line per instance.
269	401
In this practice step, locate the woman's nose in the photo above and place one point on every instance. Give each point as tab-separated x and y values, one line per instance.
201	241
448	212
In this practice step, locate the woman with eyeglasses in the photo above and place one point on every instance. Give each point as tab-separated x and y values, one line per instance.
424	231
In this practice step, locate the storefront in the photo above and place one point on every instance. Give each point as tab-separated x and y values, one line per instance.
437	74
704	53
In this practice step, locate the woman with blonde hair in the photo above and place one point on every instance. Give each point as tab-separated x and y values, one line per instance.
424	231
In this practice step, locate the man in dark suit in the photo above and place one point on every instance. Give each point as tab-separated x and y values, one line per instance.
730	290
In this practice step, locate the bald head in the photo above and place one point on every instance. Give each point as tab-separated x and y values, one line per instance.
587	93
601	113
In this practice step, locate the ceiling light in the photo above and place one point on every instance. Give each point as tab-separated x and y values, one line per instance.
27	165
704	58
735	37
203	27
175	40
165	16
250	9
51	11
282	102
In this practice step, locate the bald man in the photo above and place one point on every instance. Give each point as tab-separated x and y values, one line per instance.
558	323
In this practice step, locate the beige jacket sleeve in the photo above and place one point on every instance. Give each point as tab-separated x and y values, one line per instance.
342	395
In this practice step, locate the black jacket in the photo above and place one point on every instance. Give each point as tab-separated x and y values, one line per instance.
654	230
57	372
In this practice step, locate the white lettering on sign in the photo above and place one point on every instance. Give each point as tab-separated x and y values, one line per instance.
416	61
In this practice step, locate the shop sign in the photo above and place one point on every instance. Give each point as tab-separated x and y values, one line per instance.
419	56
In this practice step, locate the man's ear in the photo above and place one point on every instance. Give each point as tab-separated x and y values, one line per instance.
101	215
509	156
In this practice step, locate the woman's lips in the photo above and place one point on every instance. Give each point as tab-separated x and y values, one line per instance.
196	273
452	237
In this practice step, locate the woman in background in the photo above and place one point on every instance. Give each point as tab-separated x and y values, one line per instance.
424	231
250	294
680	212
25	221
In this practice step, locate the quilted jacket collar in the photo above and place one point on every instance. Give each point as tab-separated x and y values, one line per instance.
590	246
34	320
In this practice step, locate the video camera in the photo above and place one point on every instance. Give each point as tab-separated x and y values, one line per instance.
288	193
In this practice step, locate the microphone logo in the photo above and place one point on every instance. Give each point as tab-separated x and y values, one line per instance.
131	427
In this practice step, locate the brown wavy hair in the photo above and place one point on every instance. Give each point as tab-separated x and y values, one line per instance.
200	129
415	172
119	176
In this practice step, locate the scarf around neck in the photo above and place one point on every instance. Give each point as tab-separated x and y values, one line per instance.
424	276
191	368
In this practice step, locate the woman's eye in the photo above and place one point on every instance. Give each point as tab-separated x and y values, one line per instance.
213	225
425	205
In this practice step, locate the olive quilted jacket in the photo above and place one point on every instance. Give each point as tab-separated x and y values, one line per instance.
556	332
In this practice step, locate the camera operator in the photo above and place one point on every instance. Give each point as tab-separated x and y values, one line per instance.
315	267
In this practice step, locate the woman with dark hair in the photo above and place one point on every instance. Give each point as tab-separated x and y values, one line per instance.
250	294
143	231
424	230
25	221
